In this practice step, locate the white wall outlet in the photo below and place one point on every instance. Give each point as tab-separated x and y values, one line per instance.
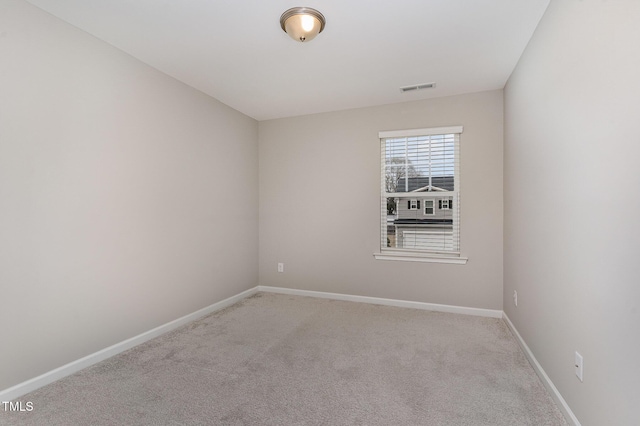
578	365
515	297
280	267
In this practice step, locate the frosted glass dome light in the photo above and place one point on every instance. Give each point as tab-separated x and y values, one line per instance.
302	23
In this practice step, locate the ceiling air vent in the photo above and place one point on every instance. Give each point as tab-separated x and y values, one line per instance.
418	87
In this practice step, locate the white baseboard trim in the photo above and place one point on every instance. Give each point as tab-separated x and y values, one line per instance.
555	394
75	366
491	313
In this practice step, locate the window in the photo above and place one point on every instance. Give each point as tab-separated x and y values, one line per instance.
420	170
428	208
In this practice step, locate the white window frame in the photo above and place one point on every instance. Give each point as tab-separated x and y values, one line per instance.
412	255
433	207
413	204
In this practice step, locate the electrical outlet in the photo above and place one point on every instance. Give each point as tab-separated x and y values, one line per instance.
579	364
280	267
515	297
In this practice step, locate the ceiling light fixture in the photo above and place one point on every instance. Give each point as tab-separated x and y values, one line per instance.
302	23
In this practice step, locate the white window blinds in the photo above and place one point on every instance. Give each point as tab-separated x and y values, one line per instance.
420	198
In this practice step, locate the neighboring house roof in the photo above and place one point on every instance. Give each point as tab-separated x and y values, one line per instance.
421	183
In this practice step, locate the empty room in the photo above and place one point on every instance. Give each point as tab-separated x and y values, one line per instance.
265	212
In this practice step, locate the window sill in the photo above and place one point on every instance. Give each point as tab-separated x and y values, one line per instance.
421	257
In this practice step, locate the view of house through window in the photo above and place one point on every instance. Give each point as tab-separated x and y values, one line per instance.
420	190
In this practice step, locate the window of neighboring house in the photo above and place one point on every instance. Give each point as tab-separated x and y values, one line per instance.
445	204
420	169
428	208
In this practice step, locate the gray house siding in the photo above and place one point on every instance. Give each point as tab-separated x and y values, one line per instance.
420	230
403	211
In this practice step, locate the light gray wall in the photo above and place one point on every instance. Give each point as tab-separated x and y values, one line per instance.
127	199
320	203
572	234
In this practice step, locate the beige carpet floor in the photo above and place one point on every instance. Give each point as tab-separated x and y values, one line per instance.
288	360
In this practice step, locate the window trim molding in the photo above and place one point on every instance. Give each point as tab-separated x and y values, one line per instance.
433	207
420	257
419	132
417	256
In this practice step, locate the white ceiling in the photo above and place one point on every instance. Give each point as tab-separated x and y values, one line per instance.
235	50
